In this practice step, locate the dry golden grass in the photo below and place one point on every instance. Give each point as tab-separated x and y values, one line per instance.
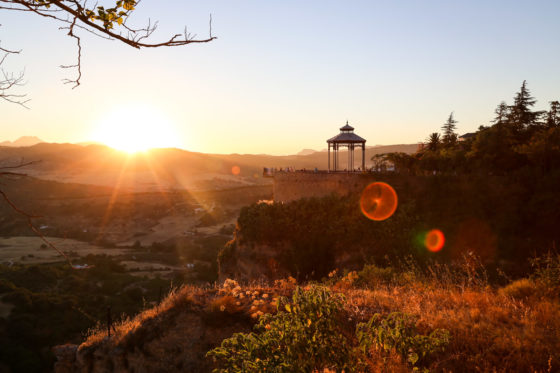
491	330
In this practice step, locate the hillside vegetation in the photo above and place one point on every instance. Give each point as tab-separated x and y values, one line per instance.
441	318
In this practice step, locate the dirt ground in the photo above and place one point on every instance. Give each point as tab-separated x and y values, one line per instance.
167	227
28	250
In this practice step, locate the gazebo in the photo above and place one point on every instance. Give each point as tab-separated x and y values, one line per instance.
346	138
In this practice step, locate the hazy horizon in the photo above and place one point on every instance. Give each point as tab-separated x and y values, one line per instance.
86	143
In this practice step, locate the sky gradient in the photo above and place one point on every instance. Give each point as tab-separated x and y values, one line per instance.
283	76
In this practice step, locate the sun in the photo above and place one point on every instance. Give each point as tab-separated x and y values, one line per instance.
135	129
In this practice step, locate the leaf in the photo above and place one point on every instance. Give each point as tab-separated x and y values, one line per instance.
120	21
412	357
288	308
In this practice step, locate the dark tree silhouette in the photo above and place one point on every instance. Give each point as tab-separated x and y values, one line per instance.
449	127
521	115
434	141
553	115
502	114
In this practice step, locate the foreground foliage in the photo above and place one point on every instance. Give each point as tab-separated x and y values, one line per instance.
309	333
305	335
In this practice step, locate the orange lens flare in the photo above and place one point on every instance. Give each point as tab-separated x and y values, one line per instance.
379	201
235	170
434	240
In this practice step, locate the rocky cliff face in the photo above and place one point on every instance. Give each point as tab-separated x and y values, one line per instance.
174	337
248	261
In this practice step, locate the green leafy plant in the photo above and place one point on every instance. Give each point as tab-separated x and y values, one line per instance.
305	335
397	333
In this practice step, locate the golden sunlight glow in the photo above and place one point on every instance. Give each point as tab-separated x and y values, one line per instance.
136	128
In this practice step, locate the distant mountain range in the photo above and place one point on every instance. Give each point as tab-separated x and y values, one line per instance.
306	152
162	168
22	141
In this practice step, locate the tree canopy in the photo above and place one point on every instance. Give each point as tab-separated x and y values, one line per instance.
517	138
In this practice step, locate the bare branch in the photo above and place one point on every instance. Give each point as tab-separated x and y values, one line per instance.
10	80
28	217
105	23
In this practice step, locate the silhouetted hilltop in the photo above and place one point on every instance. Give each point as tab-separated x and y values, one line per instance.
22	141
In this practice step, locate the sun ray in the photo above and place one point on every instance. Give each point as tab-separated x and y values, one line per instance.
114	195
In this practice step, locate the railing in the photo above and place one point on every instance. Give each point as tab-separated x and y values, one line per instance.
270	172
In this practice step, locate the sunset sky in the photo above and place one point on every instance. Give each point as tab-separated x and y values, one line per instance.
285	75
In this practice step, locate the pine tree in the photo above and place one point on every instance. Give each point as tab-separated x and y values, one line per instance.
502	114
521	115
553	115
449	135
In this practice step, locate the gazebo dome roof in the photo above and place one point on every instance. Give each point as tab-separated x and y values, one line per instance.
346	135
347	127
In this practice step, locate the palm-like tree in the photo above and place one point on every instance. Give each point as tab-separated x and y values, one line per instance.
434	141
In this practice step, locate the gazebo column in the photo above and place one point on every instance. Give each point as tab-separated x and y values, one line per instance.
335	156
350	154
363	156
352	165
329	152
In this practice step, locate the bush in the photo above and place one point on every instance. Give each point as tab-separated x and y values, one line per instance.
397	333
519	289
305	335
547	271
371	275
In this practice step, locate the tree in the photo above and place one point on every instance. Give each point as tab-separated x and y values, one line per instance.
106	22
449	127
520	115
434	141
502	114
553	115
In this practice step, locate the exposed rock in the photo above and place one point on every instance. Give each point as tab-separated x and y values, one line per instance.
174	340
66	358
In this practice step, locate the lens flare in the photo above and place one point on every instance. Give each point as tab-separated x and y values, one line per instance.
434	240
379	201
235	170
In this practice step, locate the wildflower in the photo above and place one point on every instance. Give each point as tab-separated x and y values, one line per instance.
267	327
265	296
238	303
254	315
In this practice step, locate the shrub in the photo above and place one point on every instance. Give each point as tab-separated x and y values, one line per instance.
520	289
304	336
397	333
547	271
371	275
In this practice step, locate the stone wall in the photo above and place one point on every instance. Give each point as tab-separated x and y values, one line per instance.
289	186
